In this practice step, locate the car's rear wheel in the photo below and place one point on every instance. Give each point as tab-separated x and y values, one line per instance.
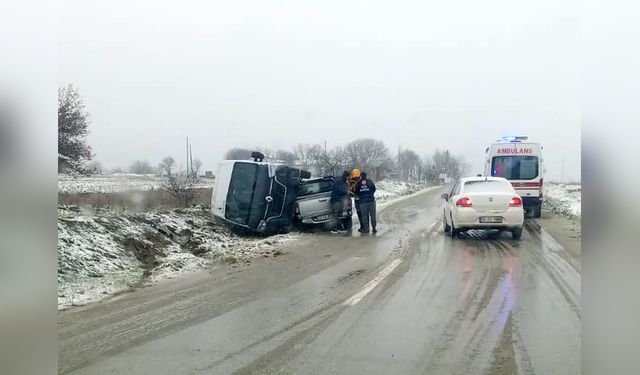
447	228
516	233
452	229
329	225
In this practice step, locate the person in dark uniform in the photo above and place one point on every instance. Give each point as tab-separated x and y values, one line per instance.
339	196
365	191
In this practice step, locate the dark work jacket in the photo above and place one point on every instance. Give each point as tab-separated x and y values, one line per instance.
365	190
339	191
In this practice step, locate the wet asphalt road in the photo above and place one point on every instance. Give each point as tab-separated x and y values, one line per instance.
409	300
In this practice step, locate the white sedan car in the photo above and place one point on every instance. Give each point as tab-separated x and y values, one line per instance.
483	203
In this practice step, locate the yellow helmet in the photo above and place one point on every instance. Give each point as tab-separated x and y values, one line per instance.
355	173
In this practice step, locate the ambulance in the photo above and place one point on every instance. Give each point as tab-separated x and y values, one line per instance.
520	162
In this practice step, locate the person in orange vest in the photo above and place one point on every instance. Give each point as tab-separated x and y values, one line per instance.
353	182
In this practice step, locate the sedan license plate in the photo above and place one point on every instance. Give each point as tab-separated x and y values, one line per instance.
322	217
490	219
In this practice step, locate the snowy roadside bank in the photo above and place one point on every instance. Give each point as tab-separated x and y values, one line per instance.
563	199
102	252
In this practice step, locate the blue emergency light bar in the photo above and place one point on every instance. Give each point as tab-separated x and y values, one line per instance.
515	138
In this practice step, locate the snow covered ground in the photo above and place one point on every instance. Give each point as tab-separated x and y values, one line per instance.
102	252
564	199
387	190
117	182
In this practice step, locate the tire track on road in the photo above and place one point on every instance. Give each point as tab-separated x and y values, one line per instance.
464	317
558	269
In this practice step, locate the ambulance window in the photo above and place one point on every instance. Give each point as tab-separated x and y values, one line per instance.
515	167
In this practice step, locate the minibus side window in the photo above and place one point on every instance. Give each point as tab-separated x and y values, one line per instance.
240	196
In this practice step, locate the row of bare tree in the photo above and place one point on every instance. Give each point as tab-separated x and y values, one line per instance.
369	155
138	167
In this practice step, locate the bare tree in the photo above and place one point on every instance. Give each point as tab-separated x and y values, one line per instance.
268	153
287	157
94	167
444	162
303	154
409	165
178	183
73	122
332	162
369	155
197	164
167	165
238	153
141	167
308	156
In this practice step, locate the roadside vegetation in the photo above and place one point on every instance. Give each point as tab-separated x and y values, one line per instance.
74	152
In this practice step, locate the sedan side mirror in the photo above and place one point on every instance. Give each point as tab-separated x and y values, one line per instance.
445	196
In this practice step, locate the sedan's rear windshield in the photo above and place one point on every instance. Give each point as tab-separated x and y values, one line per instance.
315	187
515	167
488	186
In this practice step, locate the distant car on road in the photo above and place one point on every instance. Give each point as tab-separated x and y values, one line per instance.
483	203
313	205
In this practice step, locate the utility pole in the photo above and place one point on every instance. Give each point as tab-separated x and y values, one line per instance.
191	158
401	171
446	162
187	148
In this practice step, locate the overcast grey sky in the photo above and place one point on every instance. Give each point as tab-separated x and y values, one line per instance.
453	74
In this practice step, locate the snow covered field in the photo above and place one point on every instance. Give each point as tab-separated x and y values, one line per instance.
102	253
118	182
564	199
